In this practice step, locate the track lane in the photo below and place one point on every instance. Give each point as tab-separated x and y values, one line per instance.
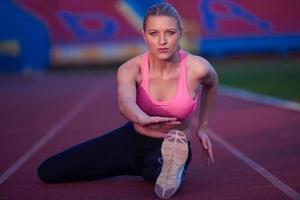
267	134
228	178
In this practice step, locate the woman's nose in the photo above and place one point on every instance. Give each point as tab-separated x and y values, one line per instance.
162	39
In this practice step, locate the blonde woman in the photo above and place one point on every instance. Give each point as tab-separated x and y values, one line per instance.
158	91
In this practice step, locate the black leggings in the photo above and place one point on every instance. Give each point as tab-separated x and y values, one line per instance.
120	152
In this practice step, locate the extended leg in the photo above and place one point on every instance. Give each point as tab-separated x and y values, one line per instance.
109	155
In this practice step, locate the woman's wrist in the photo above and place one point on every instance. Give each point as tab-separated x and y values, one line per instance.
142	119
203	128
201	132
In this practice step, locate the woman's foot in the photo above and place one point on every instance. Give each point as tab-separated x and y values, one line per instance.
174	152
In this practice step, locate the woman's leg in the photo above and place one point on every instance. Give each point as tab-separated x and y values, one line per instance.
109	155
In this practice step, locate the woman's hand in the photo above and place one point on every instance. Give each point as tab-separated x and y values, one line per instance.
156	121
207	155
164	126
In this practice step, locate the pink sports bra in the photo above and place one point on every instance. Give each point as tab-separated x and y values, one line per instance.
181	106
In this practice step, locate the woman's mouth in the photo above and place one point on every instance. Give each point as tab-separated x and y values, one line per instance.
162	50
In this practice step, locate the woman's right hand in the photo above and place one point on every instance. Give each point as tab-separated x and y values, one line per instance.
147	121
160	124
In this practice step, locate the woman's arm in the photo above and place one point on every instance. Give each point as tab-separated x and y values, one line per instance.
209	80
127	78
209	93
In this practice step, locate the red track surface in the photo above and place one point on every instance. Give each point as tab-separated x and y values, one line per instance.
30	108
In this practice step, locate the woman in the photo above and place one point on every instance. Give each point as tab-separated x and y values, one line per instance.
158	92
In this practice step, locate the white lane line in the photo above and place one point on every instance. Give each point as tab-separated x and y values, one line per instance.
83	102
255	166
259	98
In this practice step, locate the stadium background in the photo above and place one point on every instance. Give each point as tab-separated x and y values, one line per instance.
56	91
38	35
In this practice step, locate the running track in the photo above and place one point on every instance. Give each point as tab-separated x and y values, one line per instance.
257	147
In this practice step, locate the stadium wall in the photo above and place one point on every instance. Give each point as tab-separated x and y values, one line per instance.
36	34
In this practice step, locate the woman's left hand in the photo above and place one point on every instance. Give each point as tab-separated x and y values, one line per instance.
206	147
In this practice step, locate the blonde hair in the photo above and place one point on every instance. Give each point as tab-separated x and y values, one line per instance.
162	9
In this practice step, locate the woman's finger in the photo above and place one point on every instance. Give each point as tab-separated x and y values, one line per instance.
162	119
211	155
168	119
207	148
210	151
172	123
204	142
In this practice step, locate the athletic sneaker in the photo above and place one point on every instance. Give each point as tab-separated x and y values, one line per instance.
174	152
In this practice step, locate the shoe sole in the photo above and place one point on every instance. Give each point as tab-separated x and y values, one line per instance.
174	152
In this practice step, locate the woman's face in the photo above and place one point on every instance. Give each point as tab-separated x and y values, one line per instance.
162	36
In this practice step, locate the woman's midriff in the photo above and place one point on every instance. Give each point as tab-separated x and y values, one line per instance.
185	126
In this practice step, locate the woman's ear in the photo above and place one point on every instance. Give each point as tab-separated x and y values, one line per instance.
180	34
144	36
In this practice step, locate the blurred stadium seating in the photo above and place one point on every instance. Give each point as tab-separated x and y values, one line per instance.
38	34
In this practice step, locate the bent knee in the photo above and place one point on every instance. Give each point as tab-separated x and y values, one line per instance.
151	174
47	173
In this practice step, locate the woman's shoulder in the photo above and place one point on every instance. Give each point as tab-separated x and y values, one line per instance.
196	61
133	62
132	65
198	65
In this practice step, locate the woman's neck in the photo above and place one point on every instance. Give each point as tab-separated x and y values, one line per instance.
164	67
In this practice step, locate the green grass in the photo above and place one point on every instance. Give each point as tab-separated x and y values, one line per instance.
274	76
279	77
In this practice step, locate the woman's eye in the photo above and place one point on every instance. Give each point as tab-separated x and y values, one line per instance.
171	32
153	33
